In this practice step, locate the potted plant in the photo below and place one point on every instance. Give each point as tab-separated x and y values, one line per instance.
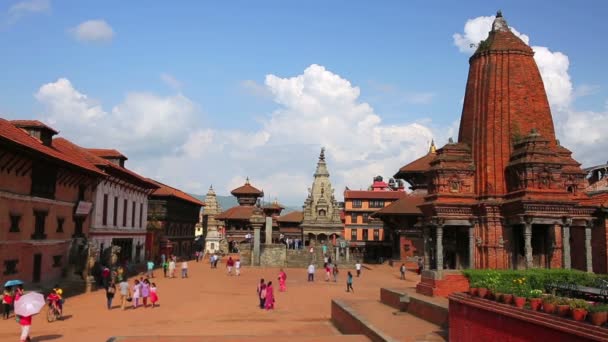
579	309
473	287
492	282
598	314
549	304
520	291
535	300
563	306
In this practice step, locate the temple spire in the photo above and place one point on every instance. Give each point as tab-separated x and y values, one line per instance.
432	148
321	166
500	24
322	155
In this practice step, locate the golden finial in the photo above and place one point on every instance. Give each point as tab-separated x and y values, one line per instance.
433	149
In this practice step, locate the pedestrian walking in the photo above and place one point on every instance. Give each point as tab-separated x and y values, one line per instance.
145	292
7	302
269	298
358	268
211	260
184	269
327	272
165	267
237	267
282	281
349	282
420	265
324	248
216	261
105	276
172	268
229	265
402	271
124	293
110	291
26	323
150	265
136	293
335	272
261	290
153	294
311	272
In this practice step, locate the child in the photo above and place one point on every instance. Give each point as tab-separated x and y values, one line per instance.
237	266
136	293
153	295
184	269
349	282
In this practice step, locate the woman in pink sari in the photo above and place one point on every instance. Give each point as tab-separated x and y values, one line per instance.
269	303
282	281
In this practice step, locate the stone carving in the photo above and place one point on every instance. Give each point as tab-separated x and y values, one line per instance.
115	250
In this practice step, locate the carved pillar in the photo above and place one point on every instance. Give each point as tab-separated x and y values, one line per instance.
589	256
439	248
425	237
347	254
256	245
472	246
268	230
528	242
566	243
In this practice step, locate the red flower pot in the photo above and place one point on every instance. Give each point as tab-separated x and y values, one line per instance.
482	292
498	297
549	308
507	298
473	291
520	302
598	318
579	314
535	303
563	310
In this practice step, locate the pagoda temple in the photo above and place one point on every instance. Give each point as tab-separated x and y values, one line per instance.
321	220
506	194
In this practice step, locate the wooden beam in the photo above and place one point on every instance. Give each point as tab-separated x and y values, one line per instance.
8	162
13	164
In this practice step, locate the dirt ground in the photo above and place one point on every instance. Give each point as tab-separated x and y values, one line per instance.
211	303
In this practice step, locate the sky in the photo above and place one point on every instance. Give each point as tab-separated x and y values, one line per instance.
200	93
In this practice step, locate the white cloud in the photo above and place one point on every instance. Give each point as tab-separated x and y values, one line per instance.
23	8
252	87
580	131
170	80
93	31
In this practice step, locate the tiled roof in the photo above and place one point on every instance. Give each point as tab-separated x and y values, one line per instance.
292	217
273	205
165	190
405	206
68	147
419	165
11	133
32	124
106	153
246	189
241	212
365	194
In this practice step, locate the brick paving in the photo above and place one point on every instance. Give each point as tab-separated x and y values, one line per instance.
211	304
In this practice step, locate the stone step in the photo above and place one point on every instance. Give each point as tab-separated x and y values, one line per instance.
380	322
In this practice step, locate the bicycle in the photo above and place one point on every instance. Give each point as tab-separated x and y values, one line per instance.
53	313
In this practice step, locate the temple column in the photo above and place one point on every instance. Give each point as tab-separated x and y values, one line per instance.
528	243
439	247
425	237
589	256
268	230
347	254
472	246
566	244
256	245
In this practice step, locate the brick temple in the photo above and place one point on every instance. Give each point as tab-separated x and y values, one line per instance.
506	195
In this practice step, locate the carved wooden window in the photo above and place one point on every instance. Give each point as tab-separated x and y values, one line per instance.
60	221
141	213
454	185
125	205
115	218
78	221
15	219
40	218
365	217
353	234
376	204
57	260
377	234
357	203
10	266
104	219
44	179
365	235
133	215
353	217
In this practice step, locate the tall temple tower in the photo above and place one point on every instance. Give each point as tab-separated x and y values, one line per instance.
506	194
211	226
321	212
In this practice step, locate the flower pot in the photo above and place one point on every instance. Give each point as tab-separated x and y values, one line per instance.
519	302
579	314
548	307
598	318
498	296
473	291
535	304
507	298
482	292
563	310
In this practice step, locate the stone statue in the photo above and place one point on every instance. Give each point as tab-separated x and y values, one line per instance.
114	256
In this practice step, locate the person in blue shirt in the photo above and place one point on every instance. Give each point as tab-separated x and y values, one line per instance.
349	283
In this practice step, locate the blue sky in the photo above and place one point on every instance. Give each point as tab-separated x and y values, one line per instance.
197	73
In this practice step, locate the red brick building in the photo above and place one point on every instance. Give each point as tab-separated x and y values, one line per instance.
506	194
365	233
45	201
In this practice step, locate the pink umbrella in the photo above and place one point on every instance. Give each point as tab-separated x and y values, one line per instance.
29	304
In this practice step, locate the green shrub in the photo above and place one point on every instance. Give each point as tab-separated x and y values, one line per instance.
578	304
598	308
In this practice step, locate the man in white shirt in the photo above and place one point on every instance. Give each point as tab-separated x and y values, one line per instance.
237	266
358	268
311	272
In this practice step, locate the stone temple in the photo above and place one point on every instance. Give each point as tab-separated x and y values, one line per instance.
506	194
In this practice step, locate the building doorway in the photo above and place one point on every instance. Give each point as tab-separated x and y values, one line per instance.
541	246
126	248
455	247
37	268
